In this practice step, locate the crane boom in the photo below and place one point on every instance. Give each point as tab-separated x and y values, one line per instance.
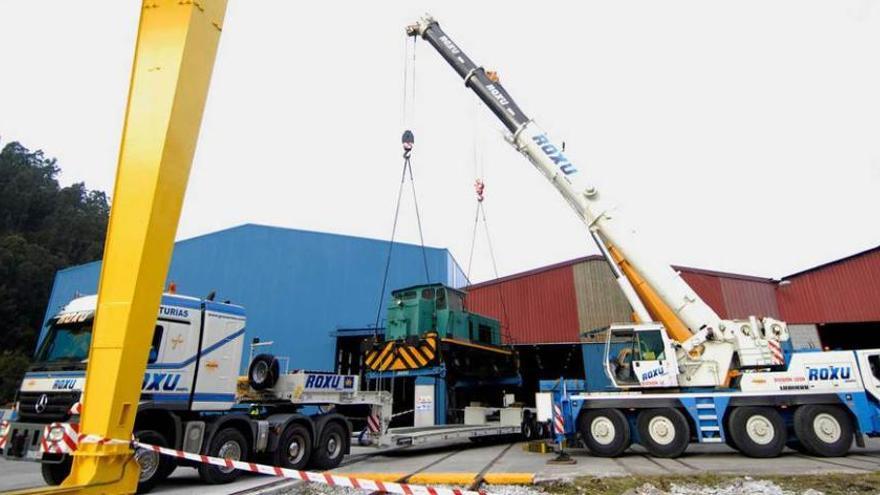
645	277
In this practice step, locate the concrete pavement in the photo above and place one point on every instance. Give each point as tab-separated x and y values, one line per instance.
461	463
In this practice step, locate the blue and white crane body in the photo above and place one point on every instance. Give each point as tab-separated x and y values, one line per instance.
679	373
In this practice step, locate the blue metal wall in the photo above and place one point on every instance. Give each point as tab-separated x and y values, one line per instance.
298	287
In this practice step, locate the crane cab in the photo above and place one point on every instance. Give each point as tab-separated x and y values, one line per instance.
640	356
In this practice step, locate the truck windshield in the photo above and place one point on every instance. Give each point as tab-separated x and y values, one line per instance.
65	344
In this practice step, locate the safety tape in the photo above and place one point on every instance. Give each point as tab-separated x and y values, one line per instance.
307	476
313	477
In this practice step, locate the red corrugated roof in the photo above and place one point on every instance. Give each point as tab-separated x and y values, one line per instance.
541	305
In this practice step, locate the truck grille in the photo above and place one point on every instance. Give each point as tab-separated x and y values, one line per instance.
56	406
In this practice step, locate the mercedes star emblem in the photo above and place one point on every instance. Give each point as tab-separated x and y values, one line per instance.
41	404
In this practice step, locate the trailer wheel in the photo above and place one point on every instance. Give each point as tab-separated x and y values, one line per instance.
294	447
825	431
757	431
154	466
664	432
605	431
228	444
530	429
330	449
55	472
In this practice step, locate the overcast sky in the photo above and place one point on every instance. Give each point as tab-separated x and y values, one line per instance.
740	136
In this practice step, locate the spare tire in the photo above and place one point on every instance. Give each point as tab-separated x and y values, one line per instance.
263	372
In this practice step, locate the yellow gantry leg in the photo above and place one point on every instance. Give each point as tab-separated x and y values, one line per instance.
175	52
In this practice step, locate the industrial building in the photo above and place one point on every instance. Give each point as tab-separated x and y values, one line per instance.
298	287
316	295
546	312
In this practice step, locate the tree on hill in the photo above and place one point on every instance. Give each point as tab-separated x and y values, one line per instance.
43	227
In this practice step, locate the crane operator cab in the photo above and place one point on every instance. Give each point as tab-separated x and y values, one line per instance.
640	356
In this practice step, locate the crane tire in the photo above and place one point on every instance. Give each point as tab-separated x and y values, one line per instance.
824	430
605	432
757	431
664	432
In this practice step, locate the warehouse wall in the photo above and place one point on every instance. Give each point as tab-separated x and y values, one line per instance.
844	291
297	286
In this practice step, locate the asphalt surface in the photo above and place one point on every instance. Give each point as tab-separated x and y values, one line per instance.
469	461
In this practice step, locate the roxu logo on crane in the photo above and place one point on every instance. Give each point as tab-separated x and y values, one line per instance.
829	373
554	154
160	381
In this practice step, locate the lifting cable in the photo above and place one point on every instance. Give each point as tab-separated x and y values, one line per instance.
479	189
408	115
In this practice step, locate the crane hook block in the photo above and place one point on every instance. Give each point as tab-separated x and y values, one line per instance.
408	140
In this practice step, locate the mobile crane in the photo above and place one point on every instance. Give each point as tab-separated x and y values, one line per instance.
679	372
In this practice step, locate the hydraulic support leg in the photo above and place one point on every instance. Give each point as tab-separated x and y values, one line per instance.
175	52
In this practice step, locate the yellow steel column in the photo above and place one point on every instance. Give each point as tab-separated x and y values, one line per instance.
174	56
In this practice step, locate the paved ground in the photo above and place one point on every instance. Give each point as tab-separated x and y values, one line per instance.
460	463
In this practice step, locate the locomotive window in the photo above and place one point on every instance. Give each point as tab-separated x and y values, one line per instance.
427	293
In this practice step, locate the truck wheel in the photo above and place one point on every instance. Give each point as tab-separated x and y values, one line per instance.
605	431
757	431
228	444
294	447
664	432
331	447
530	430
155	467
55	472
825	431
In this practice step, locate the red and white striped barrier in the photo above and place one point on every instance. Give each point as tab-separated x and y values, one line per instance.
558	420
67	442
312	477
776	351
4	433
72	438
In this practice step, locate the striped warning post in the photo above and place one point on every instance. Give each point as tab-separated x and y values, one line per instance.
558	420
312	477
4	433
776	351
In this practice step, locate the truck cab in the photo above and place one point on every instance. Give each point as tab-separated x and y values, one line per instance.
192	367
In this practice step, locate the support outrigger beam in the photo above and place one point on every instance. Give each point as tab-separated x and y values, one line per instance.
174	56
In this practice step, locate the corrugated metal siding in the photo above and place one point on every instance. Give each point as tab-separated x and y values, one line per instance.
733	296
541	307
707	287
600	301
846	291
297	286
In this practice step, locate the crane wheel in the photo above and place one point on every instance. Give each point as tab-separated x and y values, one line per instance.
154	466
605	431
825	431
664	432
263	372
757	431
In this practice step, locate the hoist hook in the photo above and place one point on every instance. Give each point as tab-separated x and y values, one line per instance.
479	186
408	140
